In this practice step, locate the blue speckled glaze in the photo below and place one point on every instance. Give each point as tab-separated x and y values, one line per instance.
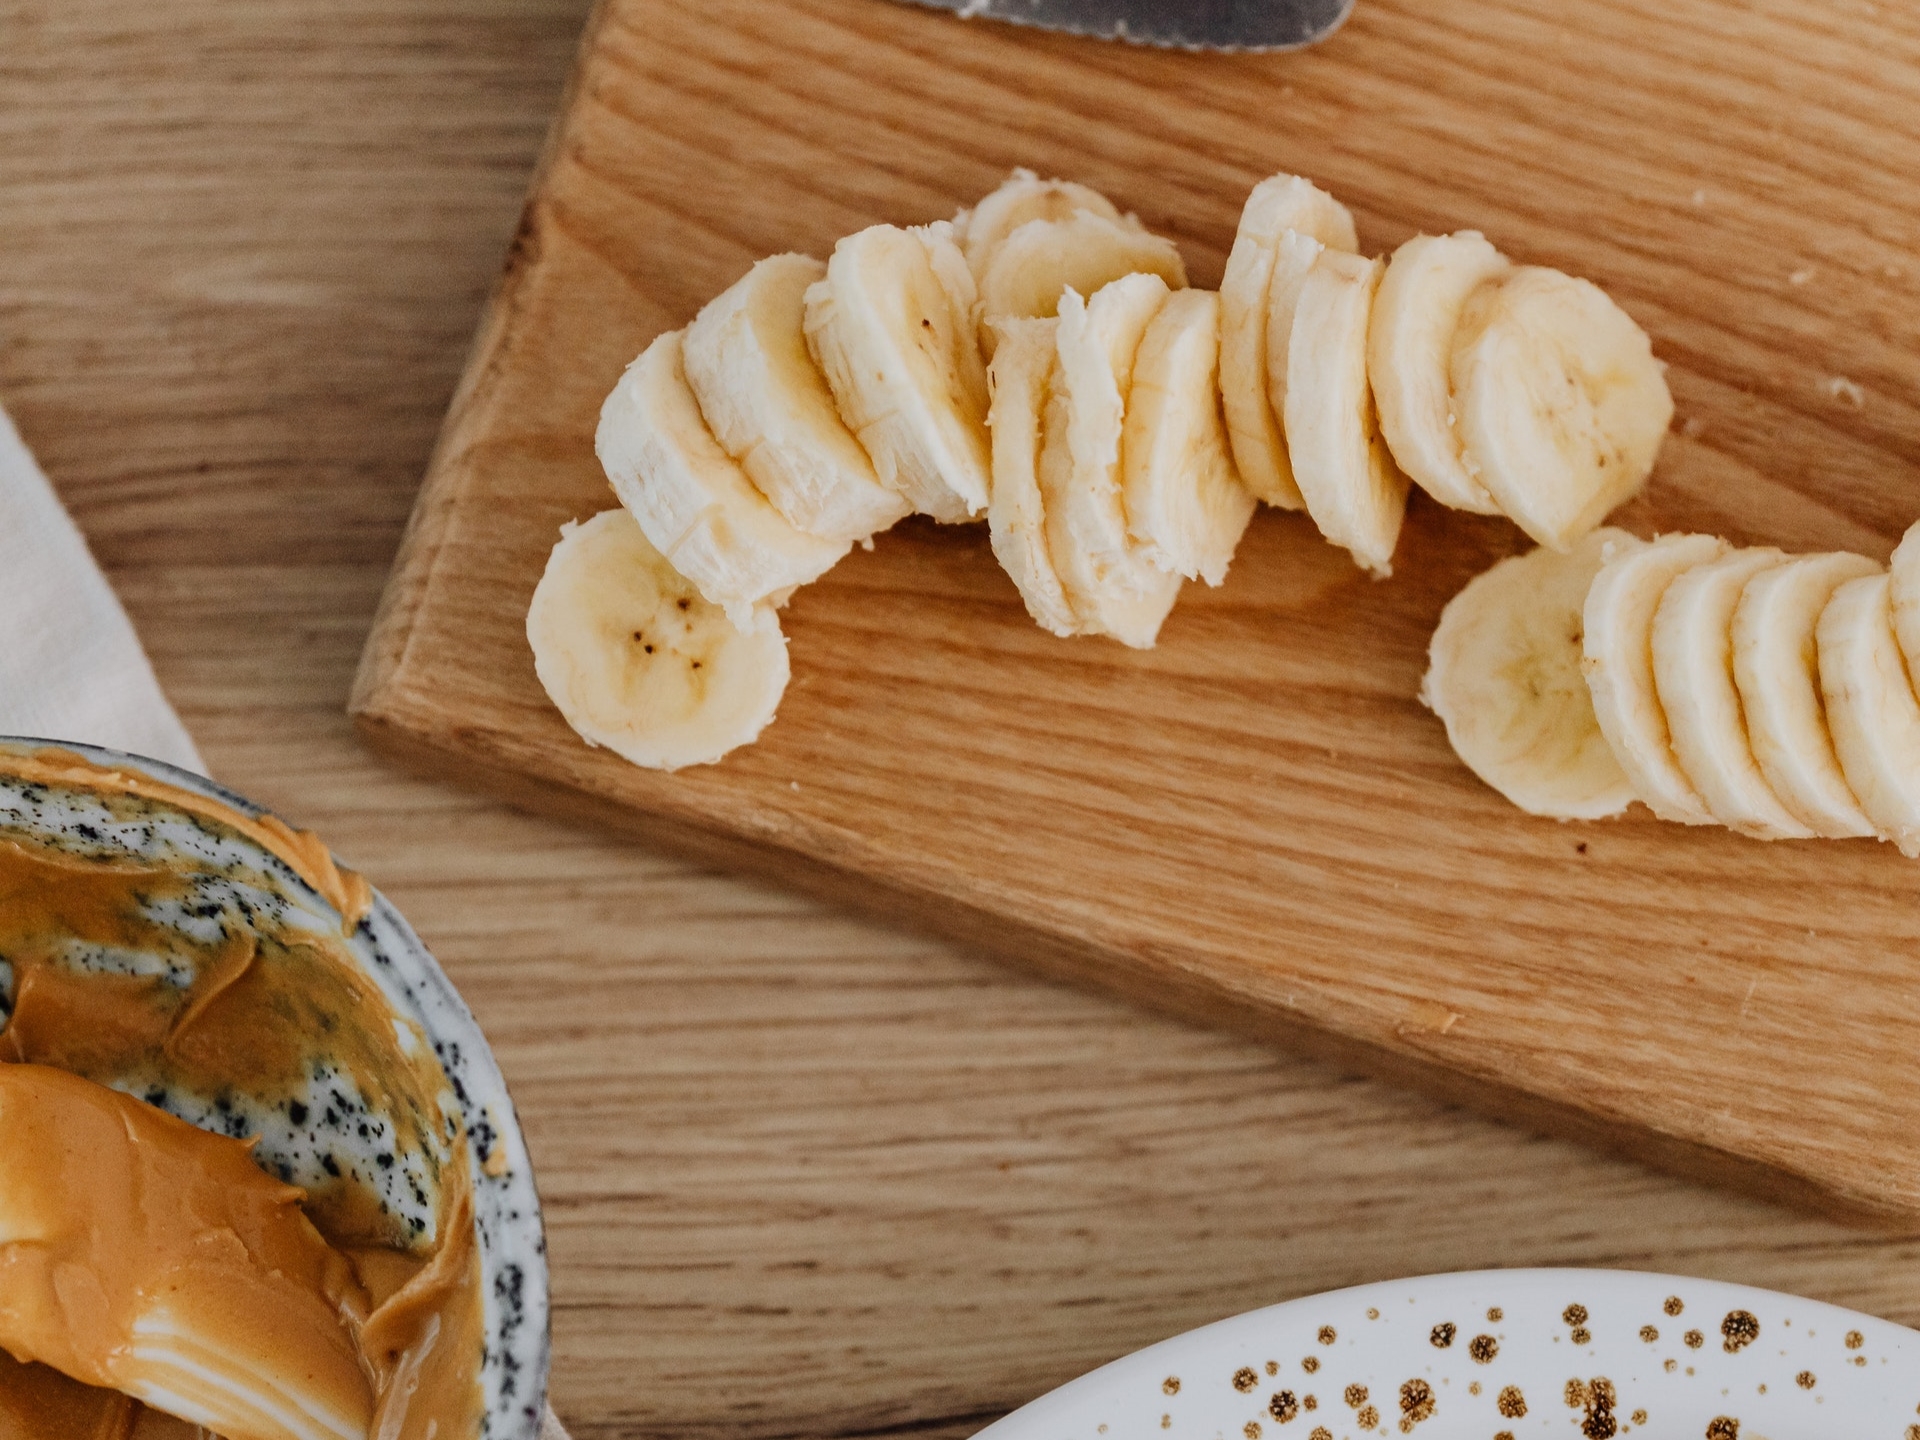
507	1220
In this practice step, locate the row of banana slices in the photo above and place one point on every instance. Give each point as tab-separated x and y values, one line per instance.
1769	693
1040	361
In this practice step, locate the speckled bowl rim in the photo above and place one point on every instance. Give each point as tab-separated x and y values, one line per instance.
507	1216
1222	1380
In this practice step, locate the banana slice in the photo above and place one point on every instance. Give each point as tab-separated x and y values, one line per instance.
1409	348
1020	378
746	359
1033	266
1776	665
1905	570
1504	674
637	661
1023	196
1293	261
1561	404
1113	588
1354	491
1276	206
891	326
1694	680
696	505
1871	710
1618	626
1185	504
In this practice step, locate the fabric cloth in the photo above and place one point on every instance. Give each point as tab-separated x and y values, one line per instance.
71	667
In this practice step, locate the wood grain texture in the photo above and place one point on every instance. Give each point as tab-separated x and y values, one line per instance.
1256	821
803	1175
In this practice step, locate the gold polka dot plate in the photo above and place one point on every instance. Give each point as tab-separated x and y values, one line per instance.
1507	1355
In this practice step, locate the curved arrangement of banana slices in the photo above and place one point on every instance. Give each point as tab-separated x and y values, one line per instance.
1771	694
1040	362
639	661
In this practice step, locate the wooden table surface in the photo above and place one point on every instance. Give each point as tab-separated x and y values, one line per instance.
839	1181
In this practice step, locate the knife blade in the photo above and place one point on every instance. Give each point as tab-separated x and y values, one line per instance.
1177	24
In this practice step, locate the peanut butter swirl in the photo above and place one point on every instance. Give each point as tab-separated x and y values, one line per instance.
157	1276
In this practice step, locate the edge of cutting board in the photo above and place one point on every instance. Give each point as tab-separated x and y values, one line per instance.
397	717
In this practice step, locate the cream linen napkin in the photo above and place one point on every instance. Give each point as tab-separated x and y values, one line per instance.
71	667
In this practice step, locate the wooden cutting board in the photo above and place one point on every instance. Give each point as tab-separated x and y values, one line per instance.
1256	823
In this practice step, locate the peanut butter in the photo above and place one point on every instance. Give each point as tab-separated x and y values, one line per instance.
145	1259
140	1254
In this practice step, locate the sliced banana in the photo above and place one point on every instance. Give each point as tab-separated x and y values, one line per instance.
1561	405
765	401
1776	664
1871	710
1905	570
1293	261
891	327
1354	491
1113	587
1694	679
1023	196
696	505
1504	674
1021	380
1032	267
1618	628
1185	505
637	660
1409	352
1277	205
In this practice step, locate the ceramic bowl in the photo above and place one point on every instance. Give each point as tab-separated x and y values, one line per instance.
506	1208
1508	1353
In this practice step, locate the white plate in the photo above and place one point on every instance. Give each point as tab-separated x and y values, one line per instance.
1519	1353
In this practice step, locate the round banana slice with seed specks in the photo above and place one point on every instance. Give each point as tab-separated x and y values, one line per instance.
695	503
1560	402
1504	674
637	660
